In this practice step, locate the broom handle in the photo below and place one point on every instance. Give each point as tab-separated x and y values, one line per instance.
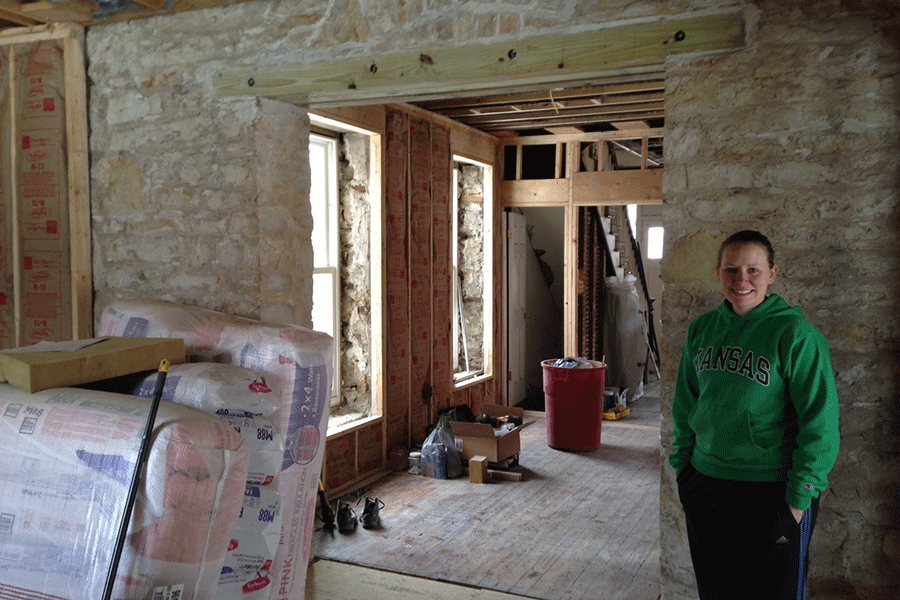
136	478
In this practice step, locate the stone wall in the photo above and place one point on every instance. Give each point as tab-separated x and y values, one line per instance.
470	223
356	276
796	134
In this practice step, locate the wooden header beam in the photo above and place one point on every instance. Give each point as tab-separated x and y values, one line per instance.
636	48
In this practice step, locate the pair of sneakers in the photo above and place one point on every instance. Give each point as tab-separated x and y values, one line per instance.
346	516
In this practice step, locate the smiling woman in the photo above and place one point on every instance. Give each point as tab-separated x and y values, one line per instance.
745	269
756	431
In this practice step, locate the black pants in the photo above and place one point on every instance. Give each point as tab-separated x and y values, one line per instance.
744	541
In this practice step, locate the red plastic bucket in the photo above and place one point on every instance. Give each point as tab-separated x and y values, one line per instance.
573	405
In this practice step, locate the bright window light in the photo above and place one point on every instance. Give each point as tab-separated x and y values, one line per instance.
655	242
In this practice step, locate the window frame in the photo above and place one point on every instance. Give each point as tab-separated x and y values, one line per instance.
330	265
463	378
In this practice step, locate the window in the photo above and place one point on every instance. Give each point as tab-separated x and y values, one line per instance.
323	194
471	263
345	195
655	242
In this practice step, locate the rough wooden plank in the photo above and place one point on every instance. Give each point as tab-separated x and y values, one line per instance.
330	580
618	187
11	10
78	11
79	189
534	192
545	59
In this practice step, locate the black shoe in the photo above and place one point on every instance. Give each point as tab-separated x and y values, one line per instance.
346	518
370	518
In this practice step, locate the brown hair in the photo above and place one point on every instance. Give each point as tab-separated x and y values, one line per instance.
748	236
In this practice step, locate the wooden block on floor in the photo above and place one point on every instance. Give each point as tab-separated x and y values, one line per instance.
478	469
505	475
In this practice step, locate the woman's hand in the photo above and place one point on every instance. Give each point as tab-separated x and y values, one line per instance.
798	513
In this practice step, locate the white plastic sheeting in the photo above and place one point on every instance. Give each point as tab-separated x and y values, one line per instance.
624	344
67	456
297	364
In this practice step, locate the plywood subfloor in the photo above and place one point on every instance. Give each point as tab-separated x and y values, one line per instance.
580	525
329	580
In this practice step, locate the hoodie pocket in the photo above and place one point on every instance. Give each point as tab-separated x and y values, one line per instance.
765	439
733	438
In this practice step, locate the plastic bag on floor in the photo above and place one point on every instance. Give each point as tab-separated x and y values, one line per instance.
439	456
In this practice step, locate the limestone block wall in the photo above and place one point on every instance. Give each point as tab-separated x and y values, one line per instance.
797	136
356	281
470	224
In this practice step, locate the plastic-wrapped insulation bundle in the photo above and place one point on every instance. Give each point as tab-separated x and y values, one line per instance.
67	456
237	396
297	364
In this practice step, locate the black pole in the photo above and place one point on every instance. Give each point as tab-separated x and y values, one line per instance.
136	478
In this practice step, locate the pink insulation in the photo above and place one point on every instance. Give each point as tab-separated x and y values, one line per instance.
66	464
296	364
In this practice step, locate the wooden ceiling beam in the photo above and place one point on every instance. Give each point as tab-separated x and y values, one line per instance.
78	11
152	4
545	60
561	94
630	125
545	104
11	10
561	122
564	130
580	112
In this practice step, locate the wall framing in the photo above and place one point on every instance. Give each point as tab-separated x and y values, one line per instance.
67	303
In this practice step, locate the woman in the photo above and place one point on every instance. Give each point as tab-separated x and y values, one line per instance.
756	432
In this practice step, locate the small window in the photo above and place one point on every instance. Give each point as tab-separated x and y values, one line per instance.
655	242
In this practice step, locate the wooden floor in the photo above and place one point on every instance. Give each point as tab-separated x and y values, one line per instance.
580	525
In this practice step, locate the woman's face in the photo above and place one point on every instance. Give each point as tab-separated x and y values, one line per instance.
744	274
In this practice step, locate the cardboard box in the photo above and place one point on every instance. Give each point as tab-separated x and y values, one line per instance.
478	471
482	439
105	359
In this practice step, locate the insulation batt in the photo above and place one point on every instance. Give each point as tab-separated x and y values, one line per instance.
297	364
254	543
214	387
66	464
237	396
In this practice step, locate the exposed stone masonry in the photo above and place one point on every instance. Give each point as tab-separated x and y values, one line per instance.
471	262
356	271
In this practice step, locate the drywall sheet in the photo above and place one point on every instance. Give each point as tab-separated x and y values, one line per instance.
45	311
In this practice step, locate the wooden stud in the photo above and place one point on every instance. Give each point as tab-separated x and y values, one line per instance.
570	263
518	162
557	169
79	189
645	151
15	209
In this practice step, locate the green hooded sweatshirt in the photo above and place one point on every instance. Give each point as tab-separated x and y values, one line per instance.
756	400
